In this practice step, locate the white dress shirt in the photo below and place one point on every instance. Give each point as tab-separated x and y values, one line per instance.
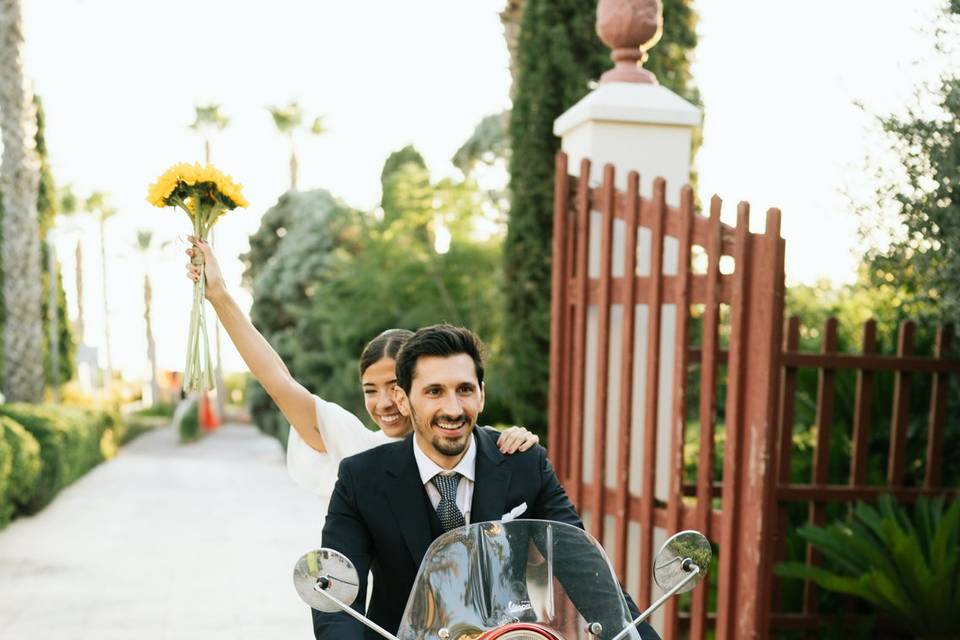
467	468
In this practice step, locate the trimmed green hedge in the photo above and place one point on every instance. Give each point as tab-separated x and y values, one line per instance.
20	467
71	442
43	448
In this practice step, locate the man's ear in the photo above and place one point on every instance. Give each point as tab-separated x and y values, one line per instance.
483	396
401	400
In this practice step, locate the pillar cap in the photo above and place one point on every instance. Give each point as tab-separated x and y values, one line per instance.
629	103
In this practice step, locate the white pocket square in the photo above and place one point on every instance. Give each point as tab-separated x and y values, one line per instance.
514	513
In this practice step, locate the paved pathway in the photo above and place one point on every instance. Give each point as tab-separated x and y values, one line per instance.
165	542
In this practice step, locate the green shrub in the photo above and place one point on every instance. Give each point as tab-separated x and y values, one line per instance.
136	424
159	410
17	480
189	426
71	440
6	478
906	567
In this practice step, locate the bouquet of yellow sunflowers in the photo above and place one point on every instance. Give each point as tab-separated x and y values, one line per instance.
204	193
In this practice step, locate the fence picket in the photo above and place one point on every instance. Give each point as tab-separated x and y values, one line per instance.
861	413
821	451
581	281
733	425
652	391
603	351
681	343
901	408
788	400
708	402
622	510
933	474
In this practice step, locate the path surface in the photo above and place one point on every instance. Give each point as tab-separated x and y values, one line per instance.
165	542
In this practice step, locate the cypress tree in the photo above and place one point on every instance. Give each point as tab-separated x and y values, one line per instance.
47	210
559	55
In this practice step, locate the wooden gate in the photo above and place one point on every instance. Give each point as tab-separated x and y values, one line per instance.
667	335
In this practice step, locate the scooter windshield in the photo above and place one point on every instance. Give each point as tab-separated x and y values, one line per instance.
493	574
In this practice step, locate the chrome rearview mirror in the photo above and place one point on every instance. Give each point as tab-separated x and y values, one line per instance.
322	573
327	581
677	558
679	566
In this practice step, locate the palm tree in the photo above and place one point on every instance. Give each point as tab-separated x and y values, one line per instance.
209	120
70	206
145	247
20	248
289	120
98	205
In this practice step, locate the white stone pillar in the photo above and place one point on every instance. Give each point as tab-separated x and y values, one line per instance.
636	125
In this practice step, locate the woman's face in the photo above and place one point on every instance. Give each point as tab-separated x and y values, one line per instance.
378	382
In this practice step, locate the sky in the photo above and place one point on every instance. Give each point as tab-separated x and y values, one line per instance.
119	81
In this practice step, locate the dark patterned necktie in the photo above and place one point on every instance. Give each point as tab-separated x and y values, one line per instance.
447	511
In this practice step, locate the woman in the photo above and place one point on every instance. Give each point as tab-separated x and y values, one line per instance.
323	432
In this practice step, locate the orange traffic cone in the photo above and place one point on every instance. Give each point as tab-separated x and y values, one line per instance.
208	418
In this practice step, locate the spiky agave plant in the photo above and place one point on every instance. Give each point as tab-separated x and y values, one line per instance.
907	567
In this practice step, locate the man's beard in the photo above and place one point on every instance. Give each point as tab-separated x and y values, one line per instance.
445	446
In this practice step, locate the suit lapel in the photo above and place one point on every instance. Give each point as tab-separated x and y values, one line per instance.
407	500
492	480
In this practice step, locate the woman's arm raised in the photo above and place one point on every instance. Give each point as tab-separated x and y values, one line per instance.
296	403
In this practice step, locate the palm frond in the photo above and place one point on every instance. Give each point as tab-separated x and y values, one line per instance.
903	564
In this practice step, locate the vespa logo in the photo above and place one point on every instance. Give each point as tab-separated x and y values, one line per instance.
513	611
518	607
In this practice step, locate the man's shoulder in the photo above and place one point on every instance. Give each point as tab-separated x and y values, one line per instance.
487	438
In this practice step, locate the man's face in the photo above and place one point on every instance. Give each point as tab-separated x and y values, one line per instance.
444	402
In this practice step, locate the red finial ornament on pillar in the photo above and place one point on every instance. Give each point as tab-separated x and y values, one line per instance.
630	28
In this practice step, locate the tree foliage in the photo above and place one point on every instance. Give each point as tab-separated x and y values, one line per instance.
559	55
923	253
327	278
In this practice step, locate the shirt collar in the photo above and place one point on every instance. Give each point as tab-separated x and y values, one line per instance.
428	468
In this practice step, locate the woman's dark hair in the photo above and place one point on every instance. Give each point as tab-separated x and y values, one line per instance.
437	340
385	345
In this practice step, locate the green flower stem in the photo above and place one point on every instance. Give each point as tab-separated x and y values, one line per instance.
198	371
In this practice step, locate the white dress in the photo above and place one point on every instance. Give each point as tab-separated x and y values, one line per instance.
343	434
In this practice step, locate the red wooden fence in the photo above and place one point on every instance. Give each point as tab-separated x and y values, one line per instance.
627	273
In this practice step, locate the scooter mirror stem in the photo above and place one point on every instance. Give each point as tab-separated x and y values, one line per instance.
688	566
320	588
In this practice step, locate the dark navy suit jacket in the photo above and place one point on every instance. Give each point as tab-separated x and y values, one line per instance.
380	517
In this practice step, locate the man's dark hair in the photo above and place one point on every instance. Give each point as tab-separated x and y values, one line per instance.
442	340
385	345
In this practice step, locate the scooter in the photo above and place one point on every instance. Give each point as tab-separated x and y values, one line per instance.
516	580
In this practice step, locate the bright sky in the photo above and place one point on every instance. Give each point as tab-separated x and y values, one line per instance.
119	83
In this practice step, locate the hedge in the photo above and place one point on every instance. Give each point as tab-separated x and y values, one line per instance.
71	442
43	448
20	467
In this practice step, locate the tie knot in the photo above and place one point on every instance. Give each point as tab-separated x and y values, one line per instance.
447	485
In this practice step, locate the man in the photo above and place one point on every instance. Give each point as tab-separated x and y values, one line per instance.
391	502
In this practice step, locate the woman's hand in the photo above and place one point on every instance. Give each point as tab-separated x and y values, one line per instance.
516	439
201	255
